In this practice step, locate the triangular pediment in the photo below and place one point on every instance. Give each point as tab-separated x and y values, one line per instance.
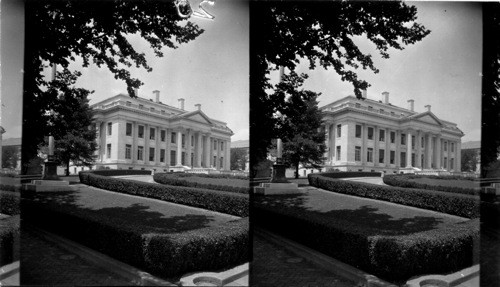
427	117
197	116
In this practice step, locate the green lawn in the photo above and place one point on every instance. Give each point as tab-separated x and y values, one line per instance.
134	213
382	217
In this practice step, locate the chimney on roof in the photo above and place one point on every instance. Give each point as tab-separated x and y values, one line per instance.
181	100
157	95
428	107
385	96
136	92
410	104
363	93
198	106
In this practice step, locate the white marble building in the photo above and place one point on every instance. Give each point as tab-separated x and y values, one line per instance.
369	135
137	133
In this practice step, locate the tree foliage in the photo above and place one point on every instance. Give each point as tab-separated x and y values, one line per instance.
469	160
68	118
60	32
10	156
300	122
322	33
239	158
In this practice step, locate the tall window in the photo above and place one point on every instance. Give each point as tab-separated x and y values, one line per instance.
445	162
452	147
381	135
173	138
392	157
221	145
183	141
403	139
192	140
128	129
183	158
393	137
381	156
422	142
140	150
173	155
162	155
339	131
128	151
151	133
358	131
413	159
452	163
162	135
141	132
357	153
215	161
110	125
338	152
151	154
370	133
369	154
403	159
108	151
445	145
413	142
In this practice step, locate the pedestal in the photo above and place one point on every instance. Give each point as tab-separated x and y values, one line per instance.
279	171
50	171
278	184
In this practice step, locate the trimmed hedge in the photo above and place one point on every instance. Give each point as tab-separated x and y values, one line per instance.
394	258
118	172
225	202
9	238
401	180
163	254
10	202
348	174
175	179
445	202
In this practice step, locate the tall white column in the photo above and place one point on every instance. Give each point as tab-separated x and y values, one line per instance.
408	149
458	156
168	139
198	149
189	132
178	160
418	149
364	138
438	152
398	149
206	151
428	150
227	157
387	157
375	145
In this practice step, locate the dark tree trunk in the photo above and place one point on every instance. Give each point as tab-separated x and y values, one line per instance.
67	168
296	171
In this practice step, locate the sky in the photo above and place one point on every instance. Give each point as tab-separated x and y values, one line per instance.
443	70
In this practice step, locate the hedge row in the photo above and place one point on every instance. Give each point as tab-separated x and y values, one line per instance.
210	175
348	174
163	254
450	203
118	172
9	202
9	238
173	179
404	181
394	258
225	202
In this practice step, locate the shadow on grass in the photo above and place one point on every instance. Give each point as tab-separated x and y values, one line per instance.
136	217
375	222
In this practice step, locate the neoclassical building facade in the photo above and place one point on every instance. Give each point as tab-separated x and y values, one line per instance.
369	135
137	133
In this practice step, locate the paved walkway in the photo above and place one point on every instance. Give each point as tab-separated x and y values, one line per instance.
45	262
275	265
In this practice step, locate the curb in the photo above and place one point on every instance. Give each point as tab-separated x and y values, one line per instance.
105	262
360	278
453	279
231	276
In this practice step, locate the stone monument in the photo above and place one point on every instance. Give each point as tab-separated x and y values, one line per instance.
50	181
279	184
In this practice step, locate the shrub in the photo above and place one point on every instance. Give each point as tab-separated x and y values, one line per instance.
119	172
395	258
9	202
450	203
348	174
163	254
225	202
179	180
404	181
9	238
